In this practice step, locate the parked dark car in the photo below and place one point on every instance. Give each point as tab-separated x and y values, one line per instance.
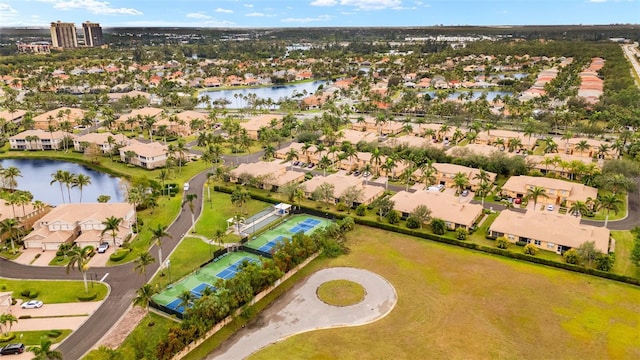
12	349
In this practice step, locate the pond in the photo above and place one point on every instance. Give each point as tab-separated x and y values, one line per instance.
36	178
237	98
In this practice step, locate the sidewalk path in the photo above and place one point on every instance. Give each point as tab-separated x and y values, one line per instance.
300	310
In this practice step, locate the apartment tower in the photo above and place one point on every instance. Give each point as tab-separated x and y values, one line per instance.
92	34
63	35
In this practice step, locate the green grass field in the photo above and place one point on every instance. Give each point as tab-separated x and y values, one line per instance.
459	304
52	292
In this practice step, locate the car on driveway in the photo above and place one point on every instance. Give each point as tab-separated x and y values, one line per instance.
550	207
102	248
12	349
464	192
32	304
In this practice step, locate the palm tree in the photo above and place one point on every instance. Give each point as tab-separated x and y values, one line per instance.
484	186
144	296
578	208
609	202
535	192
157	234
186	298
376	160
44	351
582	145
240	197
189	199
10	174
145	259
66	178
79	258
10	226
292	154
460	182
324	163
112	224
80	181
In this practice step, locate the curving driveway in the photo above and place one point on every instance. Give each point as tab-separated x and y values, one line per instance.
300	310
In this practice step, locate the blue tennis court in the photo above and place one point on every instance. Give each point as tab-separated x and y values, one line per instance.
198	290
175	305
311	222
271	244
232	270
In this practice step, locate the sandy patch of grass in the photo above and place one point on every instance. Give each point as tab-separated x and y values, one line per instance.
341	292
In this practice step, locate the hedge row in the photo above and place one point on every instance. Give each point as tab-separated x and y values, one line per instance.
460	243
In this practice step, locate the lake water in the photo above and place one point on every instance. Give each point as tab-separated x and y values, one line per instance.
36	176
276	93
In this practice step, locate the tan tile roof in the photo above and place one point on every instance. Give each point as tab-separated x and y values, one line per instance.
147	150
189	115
77	213
576	191
260	121
9	116
74	116
551	227
275	172
442	206
41	134
102	138
342	182
146	111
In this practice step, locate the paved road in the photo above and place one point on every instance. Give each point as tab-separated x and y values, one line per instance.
300	310
122	280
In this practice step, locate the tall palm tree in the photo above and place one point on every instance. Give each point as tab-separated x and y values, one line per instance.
79	258
609	202
67	179
44	350
112	225
10	226
460	182
80	181
292	154
145	259
578	208
10	174
324	163
186	298
157	234
376	160
189	199
144	296
536	192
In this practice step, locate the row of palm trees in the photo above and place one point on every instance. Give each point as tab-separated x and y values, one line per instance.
70	180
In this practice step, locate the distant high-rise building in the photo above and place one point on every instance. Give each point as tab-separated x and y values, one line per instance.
63	35
92	34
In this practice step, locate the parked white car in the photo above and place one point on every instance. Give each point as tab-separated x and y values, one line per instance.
32	304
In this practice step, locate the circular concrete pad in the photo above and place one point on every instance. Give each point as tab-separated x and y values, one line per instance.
300	310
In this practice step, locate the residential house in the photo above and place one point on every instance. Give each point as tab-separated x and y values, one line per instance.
266	175
40	140
295	146
585	147
82	224
445	174
102	140
561	164
411	141
443	206
557	191
13	116
380	127
256	123
548	230
147	155
507	137
356	136
341	182
136	117
56	117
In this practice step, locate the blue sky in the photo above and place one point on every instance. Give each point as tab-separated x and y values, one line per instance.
318	13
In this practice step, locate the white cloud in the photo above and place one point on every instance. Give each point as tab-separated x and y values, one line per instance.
255	14
198	16
597	1
7	13
166	23
226	11
324	3
307	19
95	7
248	5
373	4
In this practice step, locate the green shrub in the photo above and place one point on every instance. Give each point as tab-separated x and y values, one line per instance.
604	262
341	206
7	337
119	254
393	217
530	249
413	223
29	293
90	296
24	317
490	237
54	333
33	294
571	256
3	287
461	233
37	255
361	210
502	243
59	253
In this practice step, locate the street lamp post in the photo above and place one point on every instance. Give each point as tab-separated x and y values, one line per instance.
167	264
